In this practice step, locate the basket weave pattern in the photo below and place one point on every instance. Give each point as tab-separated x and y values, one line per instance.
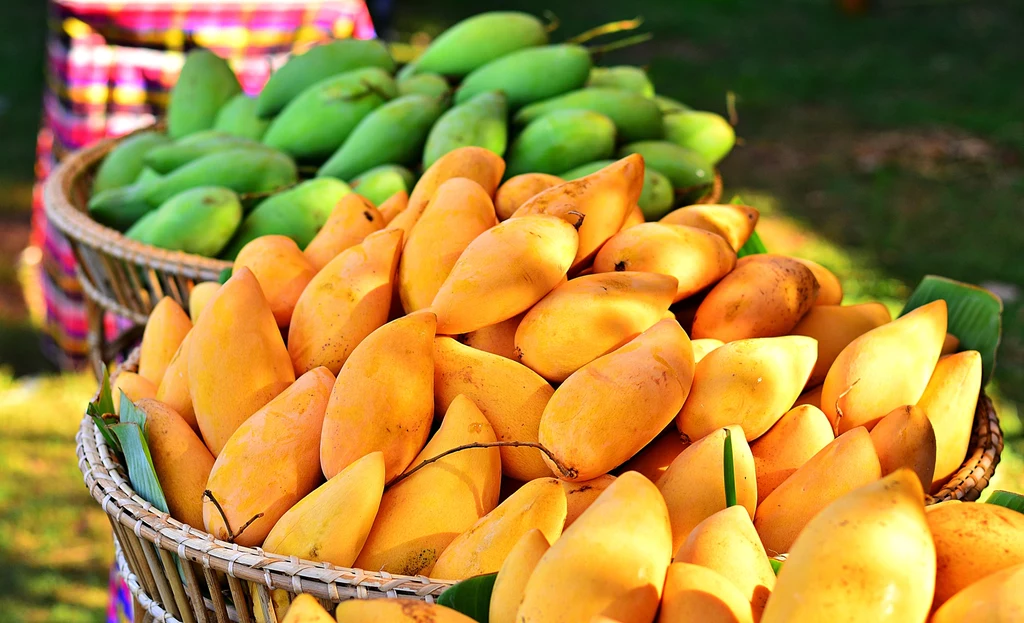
150	539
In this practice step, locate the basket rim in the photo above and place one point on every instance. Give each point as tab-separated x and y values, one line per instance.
78	225
106	483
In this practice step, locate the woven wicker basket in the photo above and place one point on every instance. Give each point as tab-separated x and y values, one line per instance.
151	540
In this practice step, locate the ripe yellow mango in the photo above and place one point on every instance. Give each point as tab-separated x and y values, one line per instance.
885	368
843	465
167	326
603	198
696	593
996	598
498	338
764	298
519	189
383	399
735	223
459	212
950	345
581	494
181	461
331	523
973	541
237	361
134	386
270	463
612	407
905	438
537	505
422	514
588	317
511	396
396	611
345	302
834	327
199	296
655	458
702	347
504	272
726	542
695	257
173	390
950	400
393	206
830	290
306	609
513	575
611	561
751	383
474	163
868	556
352	220
694	483
798	435
281	269
634	217
813	397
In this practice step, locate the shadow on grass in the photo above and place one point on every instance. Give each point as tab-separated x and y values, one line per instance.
21	350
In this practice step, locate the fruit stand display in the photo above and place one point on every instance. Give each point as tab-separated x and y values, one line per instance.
536	382
151	214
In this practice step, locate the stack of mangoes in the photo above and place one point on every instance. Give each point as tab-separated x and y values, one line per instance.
231	167
443	384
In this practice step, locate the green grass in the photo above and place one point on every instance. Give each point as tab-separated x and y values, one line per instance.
887	147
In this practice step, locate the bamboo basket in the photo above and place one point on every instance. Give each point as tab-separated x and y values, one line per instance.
220	581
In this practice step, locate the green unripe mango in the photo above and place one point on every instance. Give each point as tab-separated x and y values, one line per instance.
199	220
238	118
298	213
381	182
204	85
120	207
313	125
667	105
391	134
623	77
656	198
478	40
480	122
636	117
322	61
530	75
168	157
704	132
560	140
121	167
147	175
685	168
433	85
242	170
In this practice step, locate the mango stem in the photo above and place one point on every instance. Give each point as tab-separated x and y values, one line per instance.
568	472
607	29
207	494
621	43
553	21
581	216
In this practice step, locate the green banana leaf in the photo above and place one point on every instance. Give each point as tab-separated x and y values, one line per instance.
1007	499
975	316
730	471
141	472
224	275
101	411
776	565
753	246
471	597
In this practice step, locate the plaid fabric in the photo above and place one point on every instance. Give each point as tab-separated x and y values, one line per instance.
110	66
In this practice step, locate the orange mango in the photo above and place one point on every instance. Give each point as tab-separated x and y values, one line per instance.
513	575
383	399
735	223
830	290
654	459
634	217
702	347
995	598
950	345
696	593
581	494
237	361
352	220
950	400
695	257
634	391
167	326
422	514
588	317
396	611
885	368
199	296
345	302
459	212
905	438
504	272
173	390
282	270
798	435
134	386
519	189
498	338
834	327
270	463
393	206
